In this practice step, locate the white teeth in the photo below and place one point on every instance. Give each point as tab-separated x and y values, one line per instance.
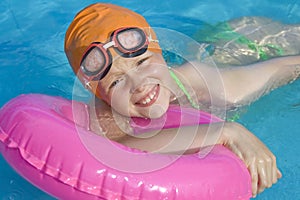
149	98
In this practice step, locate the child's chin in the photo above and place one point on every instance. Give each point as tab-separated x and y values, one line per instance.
157	111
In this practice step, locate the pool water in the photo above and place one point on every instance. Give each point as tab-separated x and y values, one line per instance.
32	60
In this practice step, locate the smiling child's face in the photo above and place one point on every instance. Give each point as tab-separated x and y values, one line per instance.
140	86
135	85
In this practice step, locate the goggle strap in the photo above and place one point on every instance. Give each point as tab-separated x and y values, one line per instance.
109	44
152	40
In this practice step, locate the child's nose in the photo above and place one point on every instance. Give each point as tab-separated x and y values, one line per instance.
139	89
137	81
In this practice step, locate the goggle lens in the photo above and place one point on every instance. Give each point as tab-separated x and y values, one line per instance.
94	62
131	39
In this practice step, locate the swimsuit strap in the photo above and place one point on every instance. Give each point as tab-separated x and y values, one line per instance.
183	89
233	118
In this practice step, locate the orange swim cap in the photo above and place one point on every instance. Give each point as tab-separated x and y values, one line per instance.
95	23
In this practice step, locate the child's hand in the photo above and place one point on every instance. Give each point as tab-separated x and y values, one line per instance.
259	160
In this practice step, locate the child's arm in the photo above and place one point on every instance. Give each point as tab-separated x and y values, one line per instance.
259	160
240	85
248	83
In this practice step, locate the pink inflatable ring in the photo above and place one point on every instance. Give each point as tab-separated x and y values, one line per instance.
50	146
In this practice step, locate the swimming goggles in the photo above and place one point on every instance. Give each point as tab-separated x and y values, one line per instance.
127	42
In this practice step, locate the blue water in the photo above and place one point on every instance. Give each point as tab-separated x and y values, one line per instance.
32	60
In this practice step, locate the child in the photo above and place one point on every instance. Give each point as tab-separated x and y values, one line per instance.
116	55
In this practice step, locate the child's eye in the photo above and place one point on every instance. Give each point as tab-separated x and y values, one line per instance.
114	83
142	61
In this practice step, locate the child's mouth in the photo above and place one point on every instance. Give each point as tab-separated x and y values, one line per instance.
150	97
